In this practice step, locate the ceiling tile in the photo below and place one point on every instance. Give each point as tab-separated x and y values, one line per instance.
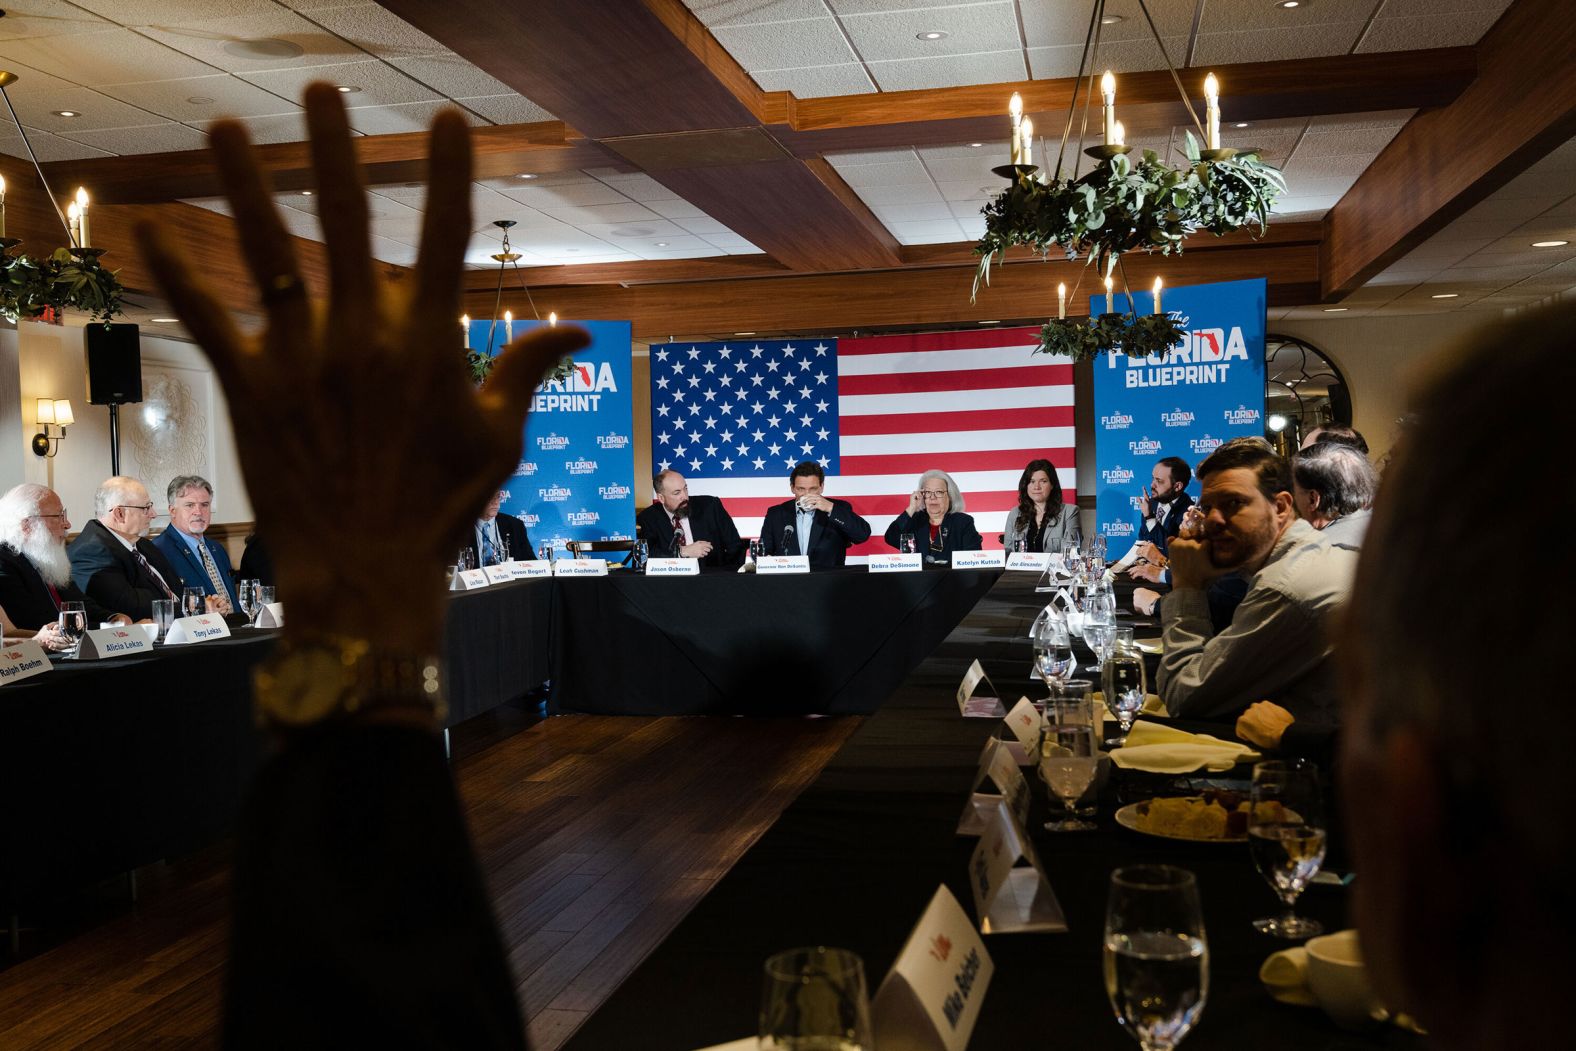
36	18
1311	18
907	194
895	174
927	233
392	120
705	226
380	84
582	193
977	167
278	39
175	12
1345	142
913	213
845	158
895	35
1312	168
506	109
648	230
48	147
638	186
1120	56
1275	45
286	127
745	12
676	209
811	82
392	250
1551	187
96	110
112	56
964	152
1052	23
1409	34
785	45
231	97
156	138
966	209
378	31
451	75
1514	210
318	5
629	212
951	71
969	191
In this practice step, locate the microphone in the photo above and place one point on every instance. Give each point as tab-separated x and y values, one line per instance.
678	539
788	537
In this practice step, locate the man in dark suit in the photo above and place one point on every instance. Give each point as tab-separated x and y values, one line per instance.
811	524
498	537
113	562
677	526
35	574
200	562
1163	506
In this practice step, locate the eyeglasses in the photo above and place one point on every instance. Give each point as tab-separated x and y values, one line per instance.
144	508
62	514
937	493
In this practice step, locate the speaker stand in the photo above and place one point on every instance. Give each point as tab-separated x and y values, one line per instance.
114	439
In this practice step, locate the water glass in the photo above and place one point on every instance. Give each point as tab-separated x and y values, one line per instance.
1122	681
1069	758
1286	835
814	999
164	614
1053	650
265	597
907	544
246	595
192	602
546	552
73	625
755	550
641	554
464	560
1156	956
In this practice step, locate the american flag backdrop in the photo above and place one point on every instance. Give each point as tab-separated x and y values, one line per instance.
734	418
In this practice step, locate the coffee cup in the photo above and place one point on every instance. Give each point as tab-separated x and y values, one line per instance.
1338	979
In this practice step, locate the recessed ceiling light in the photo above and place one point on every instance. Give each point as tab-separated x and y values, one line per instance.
67	113
1110	20
1242	124
975	145
932	35
200	100
527	175
1288	4
1447	295
744	333
990	322
1336	310
166	321
347	89
1550	244
662	244
306	193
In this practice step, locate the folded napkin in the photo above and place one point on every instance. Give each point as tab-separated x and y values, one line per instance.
1167	750
1285	977
1151	646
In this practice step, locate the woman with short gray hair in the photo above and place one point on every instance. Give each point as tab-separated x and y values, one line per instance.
935	520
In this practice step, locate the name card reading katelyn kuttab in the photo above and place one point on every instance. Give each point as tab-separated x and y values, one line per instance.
200	628
22	660
896	564
770	565
930	999
672	567
979	559
580	567
113	642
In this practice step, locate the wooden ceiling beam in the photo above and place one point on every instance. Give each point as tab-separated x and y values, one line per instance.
1520	107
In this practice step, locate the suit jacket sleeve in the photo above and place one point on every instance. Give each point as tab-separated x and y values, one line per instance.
656	529
964	536
854	529
100	574
903	523
772	530
730	548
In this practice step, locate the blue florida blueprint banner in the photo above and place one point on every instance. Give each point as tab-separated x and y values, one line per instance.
1208	390
576	476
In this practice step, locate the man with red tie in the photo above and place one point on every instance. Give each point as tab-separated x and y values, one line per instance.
35	574
113	561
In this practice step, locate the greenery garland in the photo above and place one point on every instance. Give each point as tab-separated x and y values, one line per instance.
1140	336
480	366
29	288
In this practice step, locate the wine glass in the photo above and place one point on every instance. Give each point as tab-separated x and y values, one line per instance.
192	602
1069	759
246	594
814	999
1099	629
73	625
1053	650
1122	682
1286	836
1156	954
464	560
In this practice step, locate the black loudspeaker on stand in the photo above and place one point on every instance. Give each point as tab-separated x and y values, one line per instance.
114	368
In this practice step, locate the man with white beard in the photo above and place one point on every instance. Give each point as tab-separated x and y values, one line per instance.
35	573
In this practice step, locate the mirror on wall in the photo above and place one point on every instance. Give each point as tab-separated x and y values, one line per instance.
1302	390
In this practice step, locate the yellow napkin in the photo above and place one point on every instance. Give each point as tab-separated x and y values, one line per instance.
1167	750
1151	646
1285	975
1153	706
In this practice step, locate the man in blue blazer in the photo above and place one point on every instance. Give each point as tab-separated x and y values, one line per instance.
810	524
201	563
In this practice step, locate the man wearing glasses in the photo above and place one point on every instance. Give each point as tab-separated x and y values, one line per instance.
35	574
112	561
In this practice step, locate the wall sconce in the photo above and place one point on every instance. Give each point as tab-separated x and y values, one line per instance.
52	413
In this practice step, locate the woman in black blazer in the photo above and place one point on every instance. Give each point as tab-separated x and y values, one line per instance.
935	517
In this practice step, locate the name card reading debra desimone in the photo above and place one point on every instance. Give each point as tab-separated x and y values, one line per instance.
22	660
113	642
896	564
200	628
672	567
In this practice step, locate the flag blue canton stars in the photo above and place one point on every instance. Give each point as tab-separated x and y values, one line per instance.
744	410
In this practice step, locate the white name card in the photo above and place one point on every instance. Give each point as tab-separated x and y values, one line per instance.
530	569
767	565
999	767
580	567
200	628
22	660
1009	896
672	567
1032	561
981	707
930	999
471	579
896	564
979	559
499	574
1024	722
113	642
271	615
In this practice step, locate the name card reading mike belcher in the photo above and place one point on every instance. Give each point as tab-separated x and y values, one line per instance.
580	567
979	559
200	628
1009	896
983	706
1033	561
998	766
896	564
22	660
672	567
768	565
930	999
113	642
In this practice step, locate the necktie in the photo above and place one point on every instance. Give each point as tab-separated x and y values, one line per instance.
489	554
54	596
147	568
212	569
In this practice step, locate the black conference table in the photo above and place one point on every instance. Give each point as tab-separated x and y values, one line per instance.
854	861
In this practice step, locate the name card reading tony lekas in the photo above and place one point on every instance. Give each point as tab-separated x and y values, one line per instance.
930	999
200	628
1009	896
895	564
1034	561
983	706
22	660
672	567
580	567
113	642
768	565
979	559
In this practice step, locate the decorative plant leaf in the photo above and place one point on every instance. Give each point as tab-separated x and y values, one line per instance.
62	282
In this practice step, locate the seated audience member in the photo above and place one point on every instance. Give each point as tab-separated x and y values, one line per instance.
256	563
359	916
811	523
678	525
200	562
1333	487
1276	645
1041	521
112	560
498	537
935	517
35	574
1457	810
1338	433
1162	506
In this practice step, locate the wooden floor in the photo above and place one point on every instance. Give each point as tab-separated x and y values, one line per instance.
596	835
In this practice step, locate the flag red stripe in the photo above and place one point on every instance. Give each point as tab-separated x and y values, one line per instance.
988	460
978	339
983	379
976	420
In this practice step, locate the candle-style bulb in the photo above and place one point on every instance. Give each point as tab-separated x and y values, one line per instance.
1110	306
552	318
1108	88
1211	113
1118	134
1108	112
82	198
1026	131
1061	299
1211	87
2	188
1157	296
1015	107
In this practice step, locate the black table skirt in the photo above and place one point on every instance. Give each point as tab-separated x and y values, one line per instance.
855	859
833	642
497	645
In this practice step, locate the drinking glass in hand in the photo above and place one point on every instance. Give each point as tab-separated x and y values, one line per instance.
1122	682
1156	954
73	625
164	615
246	594
814	999
1286	836
1069	759
192	602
